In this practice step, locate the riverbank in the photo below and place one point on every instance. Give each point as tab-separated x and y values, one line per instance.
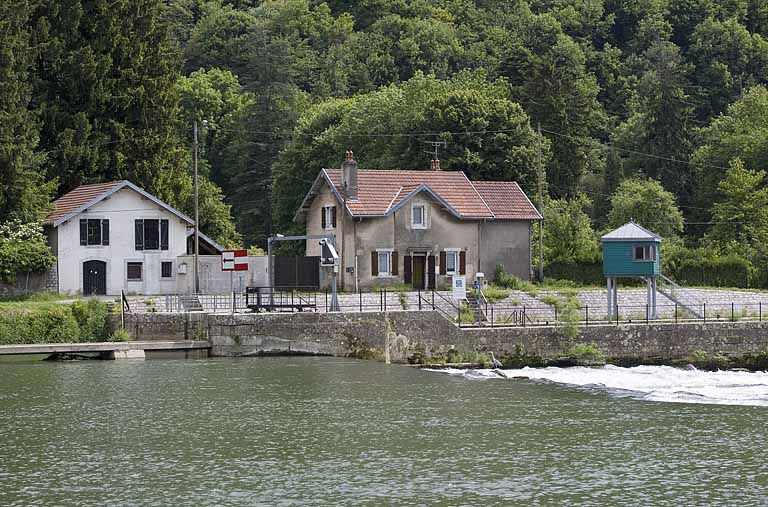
406	336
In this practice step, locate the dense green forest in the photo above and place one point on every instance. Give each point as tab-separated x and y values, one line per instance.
652	110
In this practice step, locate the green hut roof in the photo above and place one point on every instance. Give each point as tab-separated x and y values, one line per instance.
631	232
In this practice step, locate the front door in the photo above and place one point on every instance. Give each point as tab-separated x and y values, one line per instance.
94	278
419	266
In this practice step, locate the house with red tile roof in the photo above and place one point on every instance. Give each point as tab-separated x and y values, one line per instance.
420	228
115	236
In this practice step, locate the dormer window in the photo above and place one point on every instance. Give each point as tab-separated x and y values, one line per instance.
418	216
328	217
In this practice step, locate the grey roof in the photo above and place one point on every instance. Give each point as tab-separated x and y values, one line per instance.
631	232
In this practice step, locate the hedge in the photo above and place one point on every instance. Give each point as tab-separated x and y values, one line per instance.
53	323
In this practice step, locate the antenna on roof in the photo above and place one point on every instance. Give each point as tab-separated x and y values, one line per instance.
436	145
435	165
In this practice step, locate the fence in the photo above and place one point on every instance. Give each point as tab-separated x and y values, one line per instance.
465	314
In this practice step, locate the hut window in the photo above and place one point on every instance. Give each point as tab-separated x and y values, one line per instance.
645	253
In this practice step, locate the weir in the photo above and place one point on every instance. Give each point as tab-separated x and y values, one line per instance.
400	334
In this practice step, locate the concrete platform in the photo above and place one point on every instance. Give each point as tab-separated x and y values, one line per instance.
126	349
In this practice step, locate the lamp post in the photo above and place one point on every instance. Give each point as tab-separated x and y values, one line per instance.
197	208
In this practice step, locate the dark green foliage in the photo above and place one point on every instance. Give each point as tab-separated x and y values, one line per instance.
24	195
583	273
54	323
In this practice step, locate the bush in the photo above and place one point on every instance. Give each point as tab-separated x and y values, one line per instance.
120	335
51	324
705	267
582	273
586	354
55	323
93	318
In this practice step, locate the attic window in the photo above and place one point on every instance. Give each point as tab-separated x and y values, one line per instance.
418	216
645	253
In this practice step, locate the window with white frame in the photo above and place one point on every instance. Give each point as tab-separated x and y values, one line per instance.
451	262
385	262
328	217
645	253
418	216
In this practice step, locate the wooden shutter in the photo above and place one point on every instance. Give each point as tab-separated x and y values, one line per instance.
431	272
333	217
394	264
105	232
462	263
83	231
323	224
407	269
442	263
163	234
139	234
374	263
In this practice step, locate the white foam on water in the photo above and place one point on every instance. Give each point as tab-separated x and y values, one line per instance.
652	383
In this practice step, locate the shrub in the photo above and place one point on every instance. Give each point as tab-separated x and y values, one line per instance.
586	354
120	335
92	317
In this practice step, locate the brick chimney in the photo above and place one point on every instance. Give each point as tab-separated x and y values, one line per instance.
435	166
349	176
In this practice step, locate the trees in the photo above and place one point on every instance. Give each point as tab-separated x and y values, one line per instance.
568	234
23	249
105	89
24	195
740	213
742	133
487	134
646	203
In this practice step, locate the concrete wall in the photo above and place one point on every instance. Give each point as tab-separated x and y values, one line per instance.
215	281
122	208
404	332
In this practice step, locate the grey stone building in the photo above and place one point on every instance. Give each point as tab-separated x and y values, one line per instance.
418	227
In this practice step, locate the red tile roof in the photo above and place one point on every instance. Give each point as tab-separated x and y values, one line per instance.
379	191
507	200
376	190
77	198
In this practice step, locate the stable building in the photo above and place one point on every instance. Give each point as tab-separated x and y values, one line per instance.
113	237
418	227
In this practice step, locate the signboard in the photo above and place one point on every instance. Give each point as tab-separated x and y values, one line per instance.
328	255
234	260
459	288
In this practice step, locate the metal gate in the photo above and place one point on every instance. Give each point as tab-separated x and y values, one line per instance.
94	278
297	271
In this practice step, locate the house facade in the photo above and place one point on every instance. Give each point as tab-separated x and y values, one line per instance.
111	237
420	228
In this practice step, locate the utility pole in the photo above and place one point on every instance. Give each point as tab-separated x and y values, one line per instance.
541	209
197	217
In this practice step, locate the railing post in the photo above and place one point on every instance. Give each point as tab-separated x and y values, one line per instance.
523	316
675	313
556	315
492	316
586	313
385	300
433	299
647	311
617	314
705	311
326	300
419	292
360	298
733	316
458	313
760	310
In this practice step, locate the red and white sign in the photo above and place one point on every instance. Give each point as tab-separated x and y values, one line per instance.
234	260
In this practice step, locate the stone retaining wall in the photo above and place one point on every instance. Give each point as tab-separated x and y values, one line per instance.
402	333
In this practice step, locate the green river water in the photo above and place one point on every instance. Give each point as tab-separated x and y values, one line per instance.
324	431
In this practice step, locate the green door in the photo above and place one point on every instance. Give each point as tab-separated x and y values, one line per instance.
419	265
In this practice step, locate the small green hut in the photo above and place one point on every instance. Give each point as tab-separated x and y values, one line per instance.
631	251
